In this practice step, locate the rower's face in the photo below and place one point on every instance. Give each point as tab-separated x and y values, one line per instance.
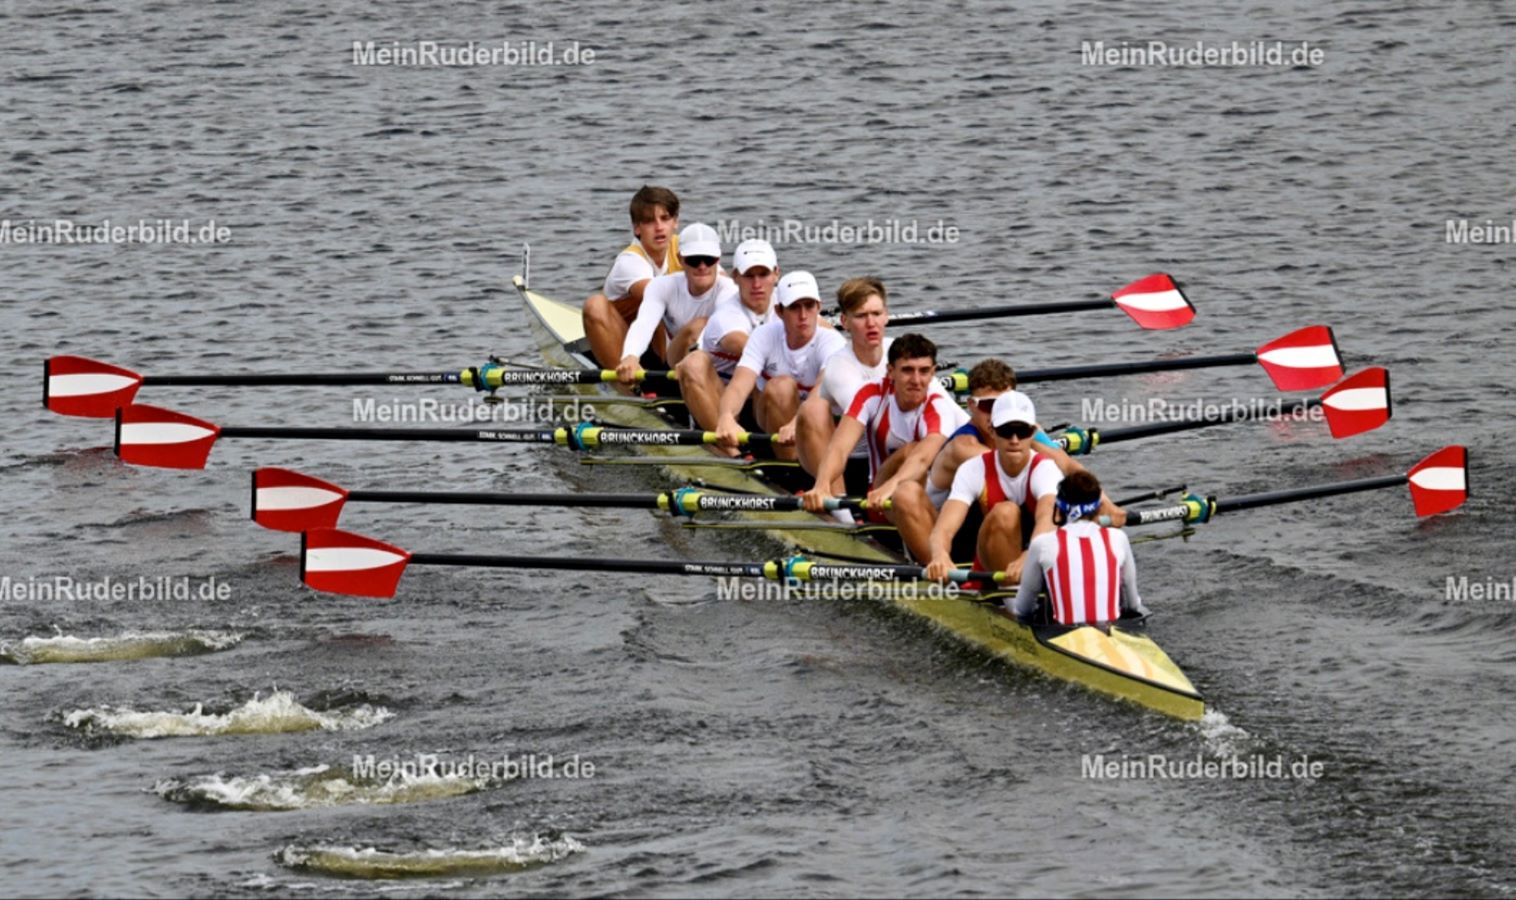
654	233
700	272
756	286
1015	451
800	319
913	377
980	405
866	324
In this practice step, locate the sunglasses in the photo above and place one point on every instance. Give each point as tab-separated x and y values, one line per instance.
1019	430
699	262
984	404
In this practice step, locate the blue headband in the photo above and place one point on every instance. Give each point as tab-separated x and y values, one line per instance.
1076	511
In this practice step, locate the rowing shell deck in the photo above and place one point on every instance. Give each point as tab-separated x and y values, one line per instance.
1123	663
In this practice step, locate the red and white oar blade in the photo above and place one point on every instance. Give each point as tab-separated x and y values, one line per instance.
286	500
79	386
1155	303
1441	481
341	562
153	436
1359	403
1302	360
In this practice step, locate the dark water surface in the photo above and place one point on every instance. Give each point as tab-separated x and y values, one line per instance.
770	748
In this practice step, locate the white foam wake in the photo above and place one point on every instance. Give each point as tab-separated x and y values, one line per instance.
279	713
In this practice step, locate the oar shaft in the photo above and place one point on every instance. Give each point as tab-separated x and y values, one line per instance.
692	501
496	435
1102	370
1272	498
330	378
1195	512
932	317
648	566
490	376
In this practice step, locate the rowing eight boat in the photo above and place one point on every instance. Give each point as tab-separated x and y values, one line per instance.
1119	660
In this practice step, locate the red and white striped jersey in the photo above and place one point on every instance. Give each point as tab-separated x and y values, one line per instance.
1085	568
887	427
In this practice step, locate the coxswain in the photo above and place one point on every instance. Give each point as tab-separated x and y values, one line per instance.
1089	570
655	221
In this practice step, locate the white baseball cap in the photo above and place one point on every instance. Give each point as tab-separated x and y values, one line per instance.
1013	406
797	286
755	252
699	239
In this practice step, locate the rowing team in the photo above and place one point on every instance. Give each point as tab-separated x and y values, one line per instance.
987	480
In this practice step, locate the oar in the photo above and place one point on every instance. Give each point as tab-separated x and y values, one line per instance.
341	562
1154	302
1357	404
1302	360
286	500
152	436
1438	483
79	386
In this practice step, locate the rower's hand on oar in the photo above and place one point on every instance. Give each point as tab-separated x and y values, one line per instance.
814	500
785	436
940	568
728	433
1013	571
626	370
1110	514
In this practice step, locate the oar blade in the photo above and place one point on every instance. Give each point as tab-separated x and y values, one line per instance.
1155	303
153	436
1441	481
1302	360
340	562
79	386
286	500
1358	403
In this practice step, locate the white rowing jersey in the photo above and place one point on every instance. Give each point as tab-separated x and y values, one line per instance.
667	299
633	265
731	315
887	427
972	483
845	376
1086	569
770	355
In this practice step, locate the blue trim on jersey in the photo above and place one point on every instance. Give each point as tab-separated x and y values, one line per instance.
967	429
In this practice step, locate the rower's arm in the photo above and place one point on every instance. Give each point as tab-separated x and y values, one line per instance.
1130	599
919	460
1025	602
640	334
736	393
635	291
1044	517
844	439
733	343
941	541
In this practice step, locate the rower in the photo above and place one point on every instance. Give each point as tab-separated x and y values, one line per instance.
783	359
906	418
1089	571
864	313
705	371
916	507
681	301
655	219
1011	488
